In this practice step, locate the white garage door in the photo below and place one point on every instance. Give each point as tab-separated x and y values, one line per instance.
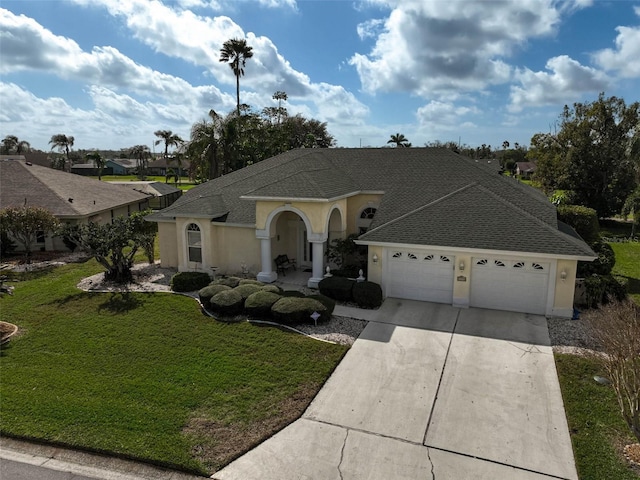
514	285
420	276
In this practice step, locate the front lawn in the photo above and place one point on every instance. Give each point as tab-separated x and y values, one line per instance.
148	376
598	432
628	266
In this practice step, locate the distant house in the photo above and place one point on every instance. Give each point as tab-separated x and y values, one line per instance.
162	166
72	199
525	169
161	195
89	170
122	166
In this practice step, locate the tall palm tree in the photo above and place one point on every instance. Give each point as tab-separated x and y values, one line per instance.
11	144
98	161
400	140
236	52
170	139
203	147
63	143
141	153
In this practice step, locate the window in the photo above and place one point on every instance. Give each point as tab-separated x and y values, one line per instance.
518	265
537	266
499	263
412	256
364	220
444	259
397	255
428	258
194	243
482	261
40	236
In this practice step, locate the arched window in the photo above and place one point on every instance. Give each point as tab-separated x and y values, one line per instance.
365	218
194	243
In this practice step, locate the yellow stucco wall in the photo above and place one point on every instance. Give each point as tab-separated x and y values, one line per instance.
316	212
168	241
374	270
564	289
355	205
233	246
462	280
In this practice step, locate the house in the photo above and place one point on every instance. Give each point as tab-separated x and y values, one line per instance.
90	170
439	227
122	166
525	169
161	195
162	166
71	198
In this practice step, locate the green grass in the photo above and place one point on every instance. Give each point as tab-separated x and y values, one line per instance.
628	266
184	185
597	429
131	374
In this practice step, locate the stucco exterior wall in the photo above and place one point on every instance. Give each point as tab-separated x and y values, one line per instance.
374	269
355	205
317	213
168	241
232	247
564	289
462	280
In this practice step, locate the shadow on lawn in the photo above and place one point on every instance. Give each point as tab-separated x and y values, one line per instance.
121	302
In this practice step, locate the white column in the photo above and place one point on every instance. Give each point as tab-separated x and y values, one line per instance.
267	275
318	263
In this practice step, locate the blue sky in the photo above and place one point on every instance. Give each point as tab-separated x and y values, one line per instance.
111	72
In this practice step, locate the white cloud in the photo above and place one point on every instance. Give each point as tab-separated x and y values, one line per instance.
431	48
567	79
625	58
445	116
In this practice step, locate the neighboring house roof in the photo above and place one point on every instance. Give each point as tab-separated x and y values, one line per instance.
124	162
63	194
83	166
156	189
171	163
431	196
526	167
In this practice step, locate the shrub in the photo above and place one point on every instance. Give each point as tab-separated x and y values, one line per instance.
272	288
259	304
250	281
227	302
326	301
601	265
602	288
292	293
367	294
297	310
247	289
349	271
583	220
338	288
209	291
232	282
189	281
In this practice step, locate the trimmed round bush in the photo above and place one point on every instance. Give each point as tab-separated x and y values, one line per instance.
189	281
367	294
232	282
297	310
272	288
227	302
338	288
326	301
292	293
584	221
250	281
209	291
246	290
258	304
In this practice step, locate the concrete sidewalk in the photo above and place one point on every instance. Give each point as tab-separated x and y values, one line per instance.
429	391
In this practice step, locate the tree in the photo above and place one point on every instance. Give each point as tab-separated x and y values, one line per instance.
26	224
141	153
236	52
170	139
632	207
63	143
616	327
202	148
98	161
400	140
11	144
113	245
280	97
589	154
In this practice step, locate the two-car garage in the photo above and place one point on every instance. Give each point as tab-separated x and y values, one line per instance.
519	285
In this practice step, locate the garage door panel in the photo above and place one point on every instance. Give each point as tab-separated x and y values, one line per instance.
420	276
516	285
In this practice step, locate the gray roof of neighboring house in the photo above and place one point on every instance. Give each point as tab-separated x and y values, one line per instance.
526	166
124	162
149	187
52	189
432	196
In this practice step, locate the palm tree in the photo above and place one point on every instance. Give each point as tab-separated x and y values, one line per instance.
280	96
11	144
98	161
400	140
63	143
141	154
203	147
170	139
236	52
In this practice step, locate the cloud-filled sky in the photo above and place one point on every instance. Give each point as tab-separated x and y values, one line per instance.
111	72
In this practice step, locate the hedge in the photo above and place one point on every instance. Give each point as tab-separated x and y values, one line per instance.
209	291
297	310
247	289
232	282
338	288
584	220
367	294
258	304
189	281
601	265
227	302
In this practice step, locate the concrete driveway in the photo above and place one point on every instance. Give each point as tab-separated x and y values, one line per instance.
429	391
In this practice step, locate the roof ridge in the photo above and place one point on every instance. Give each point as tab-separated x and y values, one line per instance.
50	188
422	207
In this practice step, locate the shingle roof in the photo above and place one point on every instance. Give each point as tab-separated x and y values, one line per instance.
52	189
431	196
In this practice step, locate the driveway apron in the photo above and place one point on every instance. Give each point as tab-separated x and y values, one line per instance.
429	391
